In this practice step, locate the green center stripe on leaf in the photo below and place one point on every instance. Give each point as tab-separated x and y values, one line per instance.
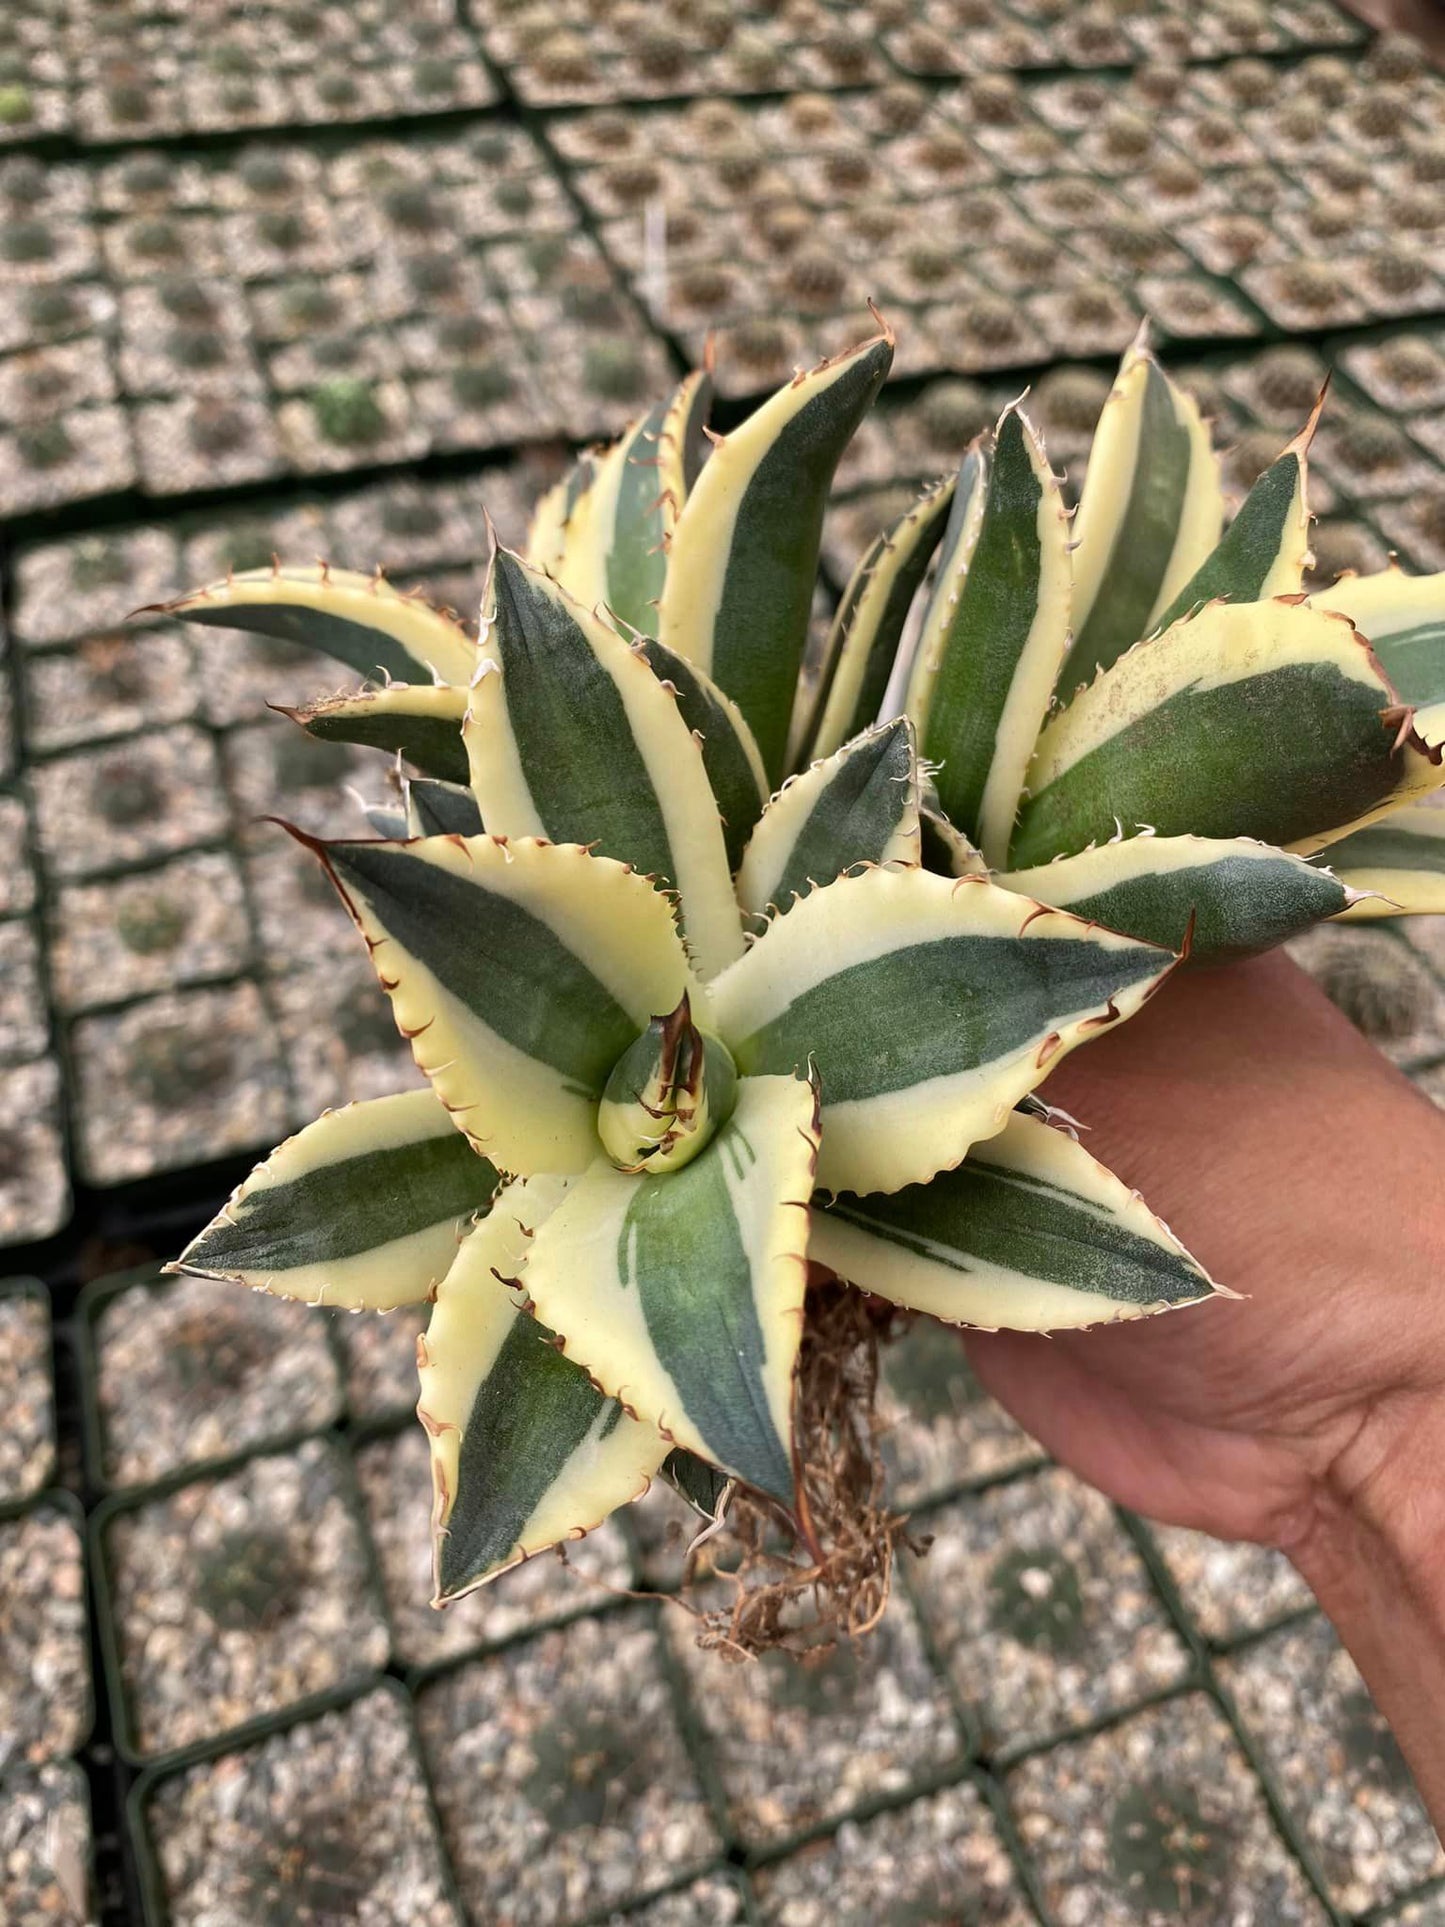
636	561
855	817
1278	756
991	623
1242	564
380	719
339	1211
1240	905
1145	539
576	745
532	1411
370	652
975	1216
1387	845
735	778
937	1009
700	1313
1414	660
502	963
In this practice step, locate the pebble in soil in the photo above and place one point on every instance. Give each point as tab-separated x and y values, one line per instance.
44	1647
24	1026
561	1775
326	1822
27	1396
797	1744
45	1847
1157	1820
1339	1771
942	1427
238	1596
1229	1589
1042	1608
932	1864
395	1479
190	1369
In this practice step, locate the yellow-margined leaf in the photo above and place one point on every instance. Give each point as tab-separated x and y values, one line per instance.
929	1007
1397	863
364	1208
1403	619
525	1451
420	721
1030	1234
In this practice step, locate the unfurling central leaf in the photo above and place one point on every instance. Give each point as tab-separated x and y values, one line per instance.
667	1096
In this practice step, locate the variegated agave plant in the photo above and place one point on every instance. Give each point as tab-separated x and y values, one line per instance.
701	951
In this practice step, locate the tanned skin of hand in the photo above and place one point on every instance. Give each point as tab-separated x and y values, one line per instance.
1306	1173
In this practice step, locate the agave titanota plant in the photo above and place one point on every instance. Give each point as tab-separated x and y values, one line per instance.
719	963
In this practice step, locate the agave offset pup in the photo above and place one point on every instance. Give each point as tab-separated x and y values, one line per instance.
721	964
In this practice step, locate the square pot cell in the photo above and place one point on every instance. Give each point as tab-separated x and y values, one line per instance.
369	354
1306	293
268	174
297	236
40	248
341	91
150	181
914	1867
406	525
45	1847
941	1427
1381	984
485	402
437	84
24	1025
215	103
350	422
1416	528
152	247
291	309
796	1745
1189	308
1278	387
1090	317
183	335
51	380
1406	372
239	1596
561	1776
1157	1819
1338	544
1369	457
1229	1590
339	1037
214	437
599	386
296	532
182	1078
1042	1609
395	1479
1335	1764
299	917
379	1360
126	99
184	922
113	684
45	1698
68	589
34	1189
53	311
193	1369
329	1821
67	458
27	1395
274	768
113	808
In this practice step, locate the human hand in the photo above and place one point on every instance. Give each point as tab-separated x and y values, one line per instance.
1307	1174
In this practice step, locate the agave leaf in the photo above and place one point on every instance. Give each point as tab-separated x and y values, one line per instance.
420	721
744	555
359	619
642	483
572	737
703	1486
1397	863
1150	513
1235	896
730	755
1008	987
560	529
1264	550
440	809
868	628
943	847
683	1295
1000	636
1031	1234
858	806
955	558
520	972
525	1450
1403	618
1268	720
364	1208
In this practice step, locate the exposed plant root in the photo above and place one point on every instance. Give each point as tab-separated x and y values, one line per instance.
761	1581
